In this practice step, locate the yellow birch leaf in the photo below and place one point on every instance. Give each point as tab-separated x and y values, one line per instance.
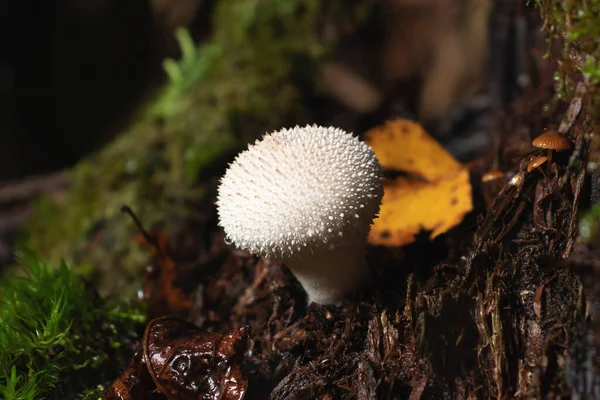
435	201
405	146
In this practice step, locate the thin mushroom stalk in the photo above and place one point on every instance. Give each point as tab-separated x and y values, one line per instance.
307	197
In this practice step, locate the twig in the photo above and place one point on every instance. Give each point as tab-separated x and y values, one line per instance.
31	187
151	239
14	219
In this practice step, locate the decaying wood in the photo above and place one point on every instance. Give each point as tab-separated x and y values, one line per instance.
29	189
17	200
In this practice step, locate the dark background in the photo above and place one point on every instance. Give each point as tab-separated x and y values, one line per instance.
71	72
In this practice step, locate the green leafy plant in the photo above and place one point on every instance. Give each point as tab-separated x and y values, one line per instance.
57	336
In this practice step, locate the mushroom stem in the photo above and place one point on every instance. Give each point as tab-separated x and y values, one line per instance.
328	276
544	175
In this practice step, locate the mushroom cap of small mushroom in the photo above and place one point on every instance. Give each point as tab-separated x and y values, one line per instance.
536	162
552	140
492	175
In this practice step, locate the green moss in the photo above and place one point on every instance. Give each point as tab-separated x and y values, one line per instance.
250	77
577	24
589	227
57	337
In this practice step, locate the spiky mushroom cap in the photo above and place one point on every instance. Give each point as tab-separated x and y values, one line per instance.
301	192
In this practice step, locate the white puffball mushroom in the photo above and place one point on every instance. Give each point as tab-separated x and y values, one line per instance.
307	197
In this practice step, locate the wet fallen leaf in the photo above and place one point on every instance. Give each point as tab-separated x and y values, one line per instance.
178	361
135	383
434	195
186	363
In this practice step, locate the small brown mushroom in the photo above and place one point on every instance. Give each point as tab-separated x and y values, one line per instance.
551	140
536	162
492	175
492	181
